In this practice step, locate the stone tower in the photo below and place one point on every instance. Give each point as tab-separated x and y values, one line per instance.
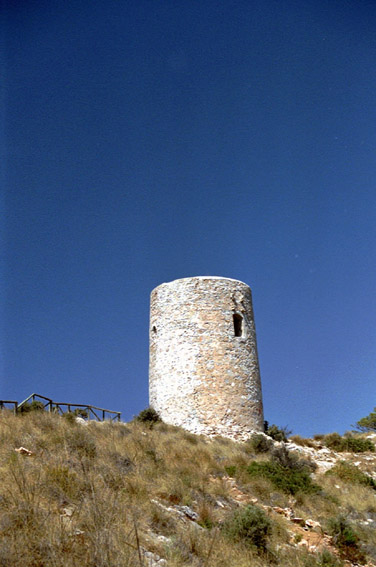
204	371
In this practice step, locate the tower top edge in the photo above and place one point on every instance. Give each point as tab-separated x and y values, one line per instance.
209	278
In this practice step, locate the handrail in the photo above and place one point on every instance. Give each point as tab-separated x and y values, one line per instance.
32	396
13	402
58	407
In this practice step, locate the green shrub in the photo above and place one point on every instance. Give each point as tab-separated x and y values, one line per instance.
358	445
323	559
249	526
287	480
148	416
327	559
260	443
346	540
277	433
286	471
350	473
350	443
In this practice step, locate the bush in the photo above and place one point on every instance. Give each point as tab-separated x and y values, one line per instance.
35	405
286	471
260	443
323	559
287	480
290	460
148	416
346	540
350	473
367	423
80	442
350	443
318	436
250	526
277	433
70	417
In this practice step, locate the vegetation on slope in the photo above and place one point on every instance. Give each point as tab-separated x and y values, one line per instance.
148	494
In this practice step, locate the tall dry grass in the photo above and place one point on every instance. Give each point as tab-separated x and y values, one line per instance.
102	495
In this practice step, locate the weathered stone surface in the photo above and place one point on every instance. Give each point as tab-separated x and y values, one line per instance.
204	370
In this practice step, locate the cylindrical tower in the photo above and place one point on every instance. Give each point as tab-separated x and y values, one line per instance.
204	371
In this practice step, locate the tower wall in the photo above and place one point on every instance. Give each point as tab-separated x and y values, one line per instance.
204	370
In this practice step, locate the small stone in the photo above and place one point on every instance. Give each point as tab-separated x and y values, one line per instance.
23	451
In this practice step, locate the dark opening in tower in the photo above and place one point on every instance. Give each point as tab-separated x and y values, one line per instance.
238	325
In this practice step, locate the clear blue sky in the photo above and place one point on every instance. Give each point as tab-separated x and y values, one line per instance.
152	140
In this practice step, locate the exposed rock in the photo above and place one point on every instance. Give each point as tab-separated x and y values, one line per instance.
313	525
299	521
188	512
152	559
81	420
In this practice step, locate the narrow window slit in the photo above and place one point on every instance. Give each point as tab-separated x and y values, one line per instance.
154	329
238	325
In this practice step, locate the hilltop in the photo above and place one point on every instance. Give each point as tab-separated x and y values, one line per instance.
147	494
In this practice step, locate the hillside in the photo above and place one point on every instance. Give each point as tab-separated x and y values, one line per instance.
148	494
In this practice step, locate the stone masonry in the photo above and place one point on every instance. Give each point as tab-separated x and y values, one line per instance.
204	370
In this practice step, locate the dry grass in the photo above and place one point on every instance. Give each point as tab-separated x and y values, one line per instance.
101	495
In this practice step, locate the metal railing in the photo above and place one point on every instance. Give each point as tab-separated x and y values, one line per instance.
86	411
